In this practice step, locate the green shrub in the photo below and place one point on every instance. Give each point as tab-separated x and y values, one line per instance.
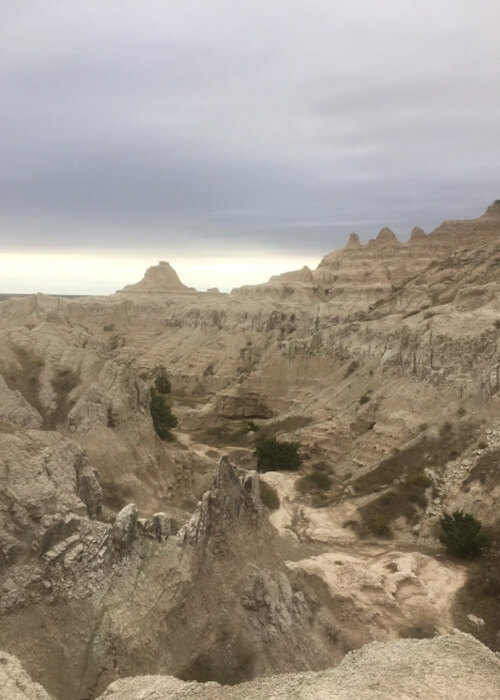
269	496
461	534
277	456
162	382
163	418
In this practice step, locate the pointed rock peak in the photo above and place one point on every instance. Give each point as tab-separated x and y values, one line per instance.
225	474
353	241
493	209
386	235
417	234
158	279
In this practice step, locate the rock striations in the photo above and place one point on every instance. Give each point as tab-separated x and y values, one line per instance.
125	555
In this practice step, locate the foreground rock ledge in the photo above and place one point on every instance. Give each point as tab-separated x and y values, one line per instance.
451	666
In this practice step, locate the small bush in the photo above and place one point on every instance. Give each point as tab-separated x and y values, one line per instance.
377	524
252	427
269	496
496	323
162	382
163	418
461	411
364	399
461	534
277	456
316	480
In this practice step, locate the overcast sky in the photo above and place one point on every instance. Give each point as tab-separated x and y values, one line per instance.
132	131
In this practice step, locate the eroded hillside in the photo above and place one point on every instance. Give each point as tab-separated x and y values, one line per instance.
382	364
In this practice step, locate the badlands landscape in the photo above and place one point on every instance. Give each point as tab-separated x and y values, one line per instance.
133	566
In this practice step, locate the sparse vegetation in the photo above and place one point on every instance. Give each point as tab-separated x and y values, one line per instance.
376	523
461	534
314	481
277	456
365	398
161	413
162	382
269	496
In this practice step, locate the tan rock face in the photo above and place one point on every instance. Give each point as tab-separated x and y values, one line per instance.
159	279
455	665
15	684
374	352
43	476
241	405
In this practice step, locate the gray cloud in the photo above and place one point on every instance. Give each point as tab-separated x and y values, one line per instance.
271	124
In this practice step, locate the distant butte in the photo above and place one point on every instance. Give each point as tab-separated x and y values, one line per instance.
158	279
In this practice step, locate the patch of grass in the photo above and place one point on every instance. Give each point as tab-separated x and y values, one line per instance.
269	496
376	523
321	466
314	481
424	451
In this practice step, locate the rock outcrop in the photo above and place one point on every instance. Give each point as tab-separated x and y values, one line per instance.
159	279
15	684
455	666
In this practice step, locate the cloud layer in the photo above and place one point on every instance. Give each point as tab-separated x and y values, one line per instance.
218	126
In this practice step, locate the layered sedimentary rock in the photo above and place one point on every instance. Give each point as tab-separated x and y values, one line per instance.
383	364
